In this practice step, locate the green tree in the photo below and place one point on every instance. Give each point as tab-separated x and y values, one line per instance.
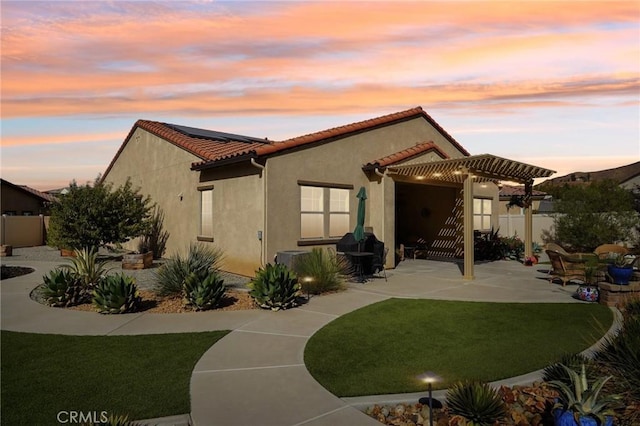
593	214
96	215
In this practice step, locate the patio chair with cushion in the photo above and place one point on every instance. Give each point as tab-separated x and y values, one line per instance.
605	251
566	268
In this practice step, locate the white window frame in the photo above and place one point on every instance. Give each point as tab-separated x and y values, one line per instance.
205	230
327	211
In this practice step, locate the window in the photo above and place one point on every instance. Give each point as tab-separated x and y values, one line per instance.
324	211
206	213
482	214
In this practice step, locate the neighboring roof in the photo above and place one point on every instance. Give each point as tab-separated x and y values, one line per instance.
43	196
485	166
617	174
507	191
405	154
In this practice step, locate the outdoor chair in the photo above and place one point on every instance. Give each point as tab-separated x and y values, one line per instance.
605	251
566	268
378	263
556	247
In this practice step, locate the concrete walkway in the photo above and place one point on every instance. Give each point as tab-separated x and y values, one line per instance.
256	374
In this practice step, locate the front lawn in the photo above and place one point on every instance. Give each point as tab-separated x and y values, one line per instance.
381	348
142	376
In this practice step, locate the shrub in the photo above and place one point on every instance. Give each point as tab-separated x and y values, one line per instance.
203	294
558	371
86	266
62	288
275	287
581	398
475	401
155	239
117	294
620	357
512	247
201	260
320	271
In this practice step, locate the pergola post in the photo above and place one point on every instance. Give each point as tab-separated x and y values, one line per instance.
467	202
528	219
528	231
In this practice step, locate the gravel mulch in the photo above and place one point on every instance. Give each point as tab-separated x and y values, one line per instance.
237	297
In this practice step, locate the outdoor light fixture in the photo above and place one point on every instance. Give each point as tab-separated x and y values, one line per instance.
307	281
420	177
437	174
430	378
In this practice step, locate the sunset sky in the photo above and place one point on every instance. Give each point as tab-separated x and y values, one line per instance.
555	84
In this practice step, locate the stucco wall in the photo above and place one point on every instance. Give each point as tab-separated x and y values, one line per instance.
237	215
341	162
162	171
23	231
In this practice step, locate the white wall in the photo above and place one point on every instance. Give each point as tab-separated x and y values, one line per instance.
514	224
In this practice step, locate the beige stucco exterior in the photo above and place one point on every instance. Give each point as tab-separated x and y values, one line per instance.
252	199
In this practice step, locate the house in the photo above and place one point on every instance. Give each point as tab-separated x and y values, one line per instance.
254	197
509	195
627	176
21	200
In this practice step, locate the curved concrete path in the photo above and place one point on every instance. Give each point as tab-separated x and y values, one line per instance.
256	374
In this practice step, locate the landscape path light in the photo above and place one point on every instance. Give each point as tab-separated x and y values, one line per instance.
430	378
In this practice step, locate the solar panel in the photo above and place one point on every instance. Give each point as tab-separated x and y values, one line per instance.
214	135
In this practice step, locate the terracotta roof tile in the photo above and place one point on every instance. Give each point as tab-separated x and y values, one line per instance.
406	154
211	152
508	191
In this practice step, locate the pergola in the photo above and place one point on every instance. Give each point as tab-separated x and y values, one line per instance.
478	168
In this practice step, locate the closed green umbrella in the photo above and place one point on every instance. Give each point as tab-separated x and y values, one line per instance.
358	233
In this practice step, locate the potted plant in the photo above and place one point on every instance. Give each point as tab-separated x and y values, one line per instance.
589	290
578	403
621	269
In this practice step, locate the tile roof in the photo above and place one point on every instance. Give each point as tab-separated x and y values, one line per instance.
42	195
406	154
213	152
618	174
508	191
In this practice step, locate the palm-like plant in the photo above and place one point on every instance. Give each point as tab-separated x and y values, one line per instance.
581	399
87	267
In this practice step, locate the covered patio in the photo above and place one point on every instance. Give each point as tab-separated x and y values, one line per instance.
465	172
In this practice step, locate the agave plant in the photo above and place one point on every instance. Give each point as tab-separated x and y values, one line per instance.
477	402
275	287
203	293
200	259
117	294
581	399
62	288
86	265
558	372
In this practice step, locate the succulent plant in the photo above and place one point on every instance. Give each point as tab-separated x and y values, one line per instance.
477	402
62	288
203	293
558	372
275	287
117	294
86	265
581	398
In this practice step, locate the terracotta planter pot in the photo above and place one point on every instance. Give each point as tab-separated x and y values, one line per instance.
137	260
67	252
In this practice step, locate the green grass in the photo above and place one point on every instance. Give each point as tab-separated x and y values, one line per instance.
143	376
381	348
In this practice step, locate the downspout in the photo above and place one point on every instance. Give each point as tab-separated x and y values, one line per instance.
383	219
263	242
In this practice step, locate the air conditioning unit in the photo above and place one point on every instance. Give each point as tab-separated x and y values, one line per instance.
289	257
